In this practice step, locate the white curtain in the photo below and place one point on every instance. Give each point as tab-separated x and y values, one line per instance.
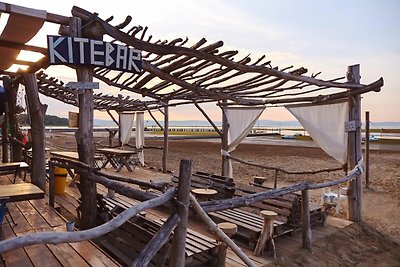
241	120
140	135
326	125
125	127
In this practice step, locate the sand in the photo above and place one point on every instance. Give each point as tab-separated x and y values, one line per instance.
376	241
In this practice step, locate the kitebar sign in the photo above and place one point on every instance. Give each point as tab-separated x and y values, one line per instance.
82	51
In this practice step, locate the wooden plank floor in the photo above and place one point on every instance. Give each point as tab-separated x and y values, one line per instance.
37	216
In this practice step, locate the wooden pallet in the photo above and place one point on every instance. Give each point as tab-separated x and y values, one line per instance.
132	236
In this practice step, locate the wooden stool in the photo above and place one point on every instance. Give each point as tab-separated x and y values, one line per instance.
267	233
229	229
204	194
259	180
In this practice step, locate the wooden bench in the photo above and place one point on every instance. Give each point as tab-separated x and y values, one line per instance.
224	186
126	242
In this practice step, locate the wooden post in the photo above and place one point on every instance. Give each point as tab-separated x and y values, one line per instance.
4	130
165	149
84	138
305	220
354	147
367	149
51	184
224	140
11	98
178	245
36	111
229	229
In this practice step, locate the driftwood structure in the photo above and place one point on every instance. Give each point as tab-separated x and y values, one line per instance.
173	73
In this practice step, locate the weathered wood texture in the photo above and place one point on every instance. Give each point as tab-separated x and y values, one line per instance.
305	220
354	147
57	238
165	148
36	112
221	235
84	137
178	245
224	141
367	121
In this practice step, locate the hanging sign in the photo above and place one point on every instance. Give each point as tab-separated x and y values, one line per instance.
83	85
64	50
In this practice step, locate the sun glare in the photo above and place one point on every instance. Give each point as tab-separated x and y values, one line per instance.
3	21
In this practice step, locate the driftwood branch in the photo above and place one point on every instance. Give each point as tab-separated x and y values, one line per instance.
156	242
249	199
66	237
214	228
208	118
283	170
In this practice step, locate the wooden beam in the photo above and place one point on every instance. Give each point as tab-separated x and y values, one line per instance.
178	244
112	117
154	119
37	112
367	149
49	17
208	118
354	147
224	141
84	138
19	46
166	132
305	220
4	130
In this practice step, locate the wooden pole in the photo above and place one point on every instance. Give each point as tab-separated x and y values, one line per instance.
11	98
305	220
37	111
367	149
4	130
354	147
224	140
84	138
51	184
178	245
165	149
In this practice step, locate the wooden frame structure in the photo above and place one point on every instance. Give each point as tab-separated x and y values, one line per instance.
174	73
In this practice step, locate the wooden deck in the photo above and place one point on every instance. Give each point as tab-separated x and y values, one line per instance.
36	215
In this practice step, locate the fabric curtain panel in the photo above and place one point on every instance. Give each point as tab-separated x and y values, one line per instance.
125	127
241	120
326	125
140	135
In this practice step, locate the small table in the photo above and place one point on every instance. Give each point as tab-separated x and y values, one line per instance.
202	194
113	155
20	192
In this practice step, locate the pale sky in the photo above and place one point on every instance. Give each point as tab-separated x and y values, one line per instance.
324	36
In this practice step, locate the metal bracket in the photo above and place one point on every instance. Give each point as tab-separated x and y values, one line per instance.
351	126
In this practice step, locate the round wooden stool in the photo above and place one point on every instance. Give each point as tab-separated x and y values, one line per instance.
266	233
229	229
202	194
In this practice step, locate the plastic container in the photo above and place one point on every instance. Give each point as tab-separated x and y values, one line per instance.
60	180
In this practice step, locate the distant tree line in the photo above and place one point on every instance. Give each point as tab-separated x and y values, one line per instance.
49	120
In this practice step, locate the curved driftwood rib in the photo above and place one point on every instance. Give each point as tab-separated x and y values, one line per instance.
65	237
164	50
